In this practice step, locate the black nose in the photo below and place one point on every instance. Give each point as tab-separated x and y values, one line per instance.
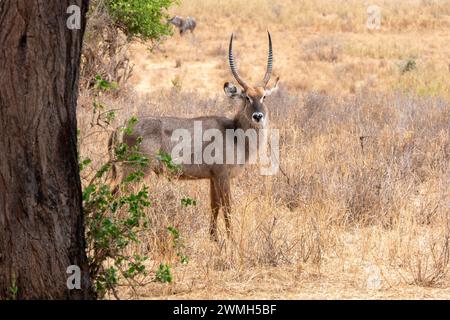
257	116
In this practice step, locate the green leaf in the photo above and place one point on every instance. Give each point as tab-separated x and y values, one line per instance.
163	274
188	202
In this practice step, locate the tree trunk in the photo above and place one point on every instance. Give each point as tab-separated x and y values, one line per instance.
41	221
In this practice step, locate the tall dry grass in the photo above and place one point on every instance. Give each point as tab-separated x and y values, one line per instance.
364	182
322	15
360	207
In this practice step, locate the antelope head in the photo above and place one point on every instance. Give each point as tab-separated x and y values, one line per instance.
253	97
176	21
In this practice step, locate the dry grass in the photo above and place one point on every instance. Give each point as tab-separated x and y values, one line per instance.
313	49
361	209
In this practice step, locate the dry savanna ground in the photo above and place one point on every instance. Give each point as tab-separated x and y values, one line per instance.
360	206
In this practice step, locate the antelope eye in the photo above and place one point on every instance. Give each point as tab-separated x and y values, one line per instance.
248	98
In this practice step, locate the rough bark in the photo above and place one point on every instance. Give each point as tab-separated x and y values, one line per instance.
41	221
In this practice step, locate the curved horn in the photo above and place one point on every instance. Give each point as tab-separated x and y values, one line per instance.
269	62
233	65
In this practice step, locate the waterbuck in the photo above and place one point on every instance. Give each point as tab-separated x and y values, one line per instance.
160	134
184	24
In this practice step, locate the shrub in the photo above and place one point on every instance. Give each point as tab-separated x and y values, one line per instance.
408	65
111	25
116	216
114	221
142	19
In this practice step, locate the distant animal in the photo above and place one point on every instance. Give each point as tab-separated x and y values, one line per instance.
183	24
155	135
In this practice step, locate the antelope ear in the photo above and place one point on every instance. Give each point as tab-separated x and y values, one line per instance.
268	92
231	90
